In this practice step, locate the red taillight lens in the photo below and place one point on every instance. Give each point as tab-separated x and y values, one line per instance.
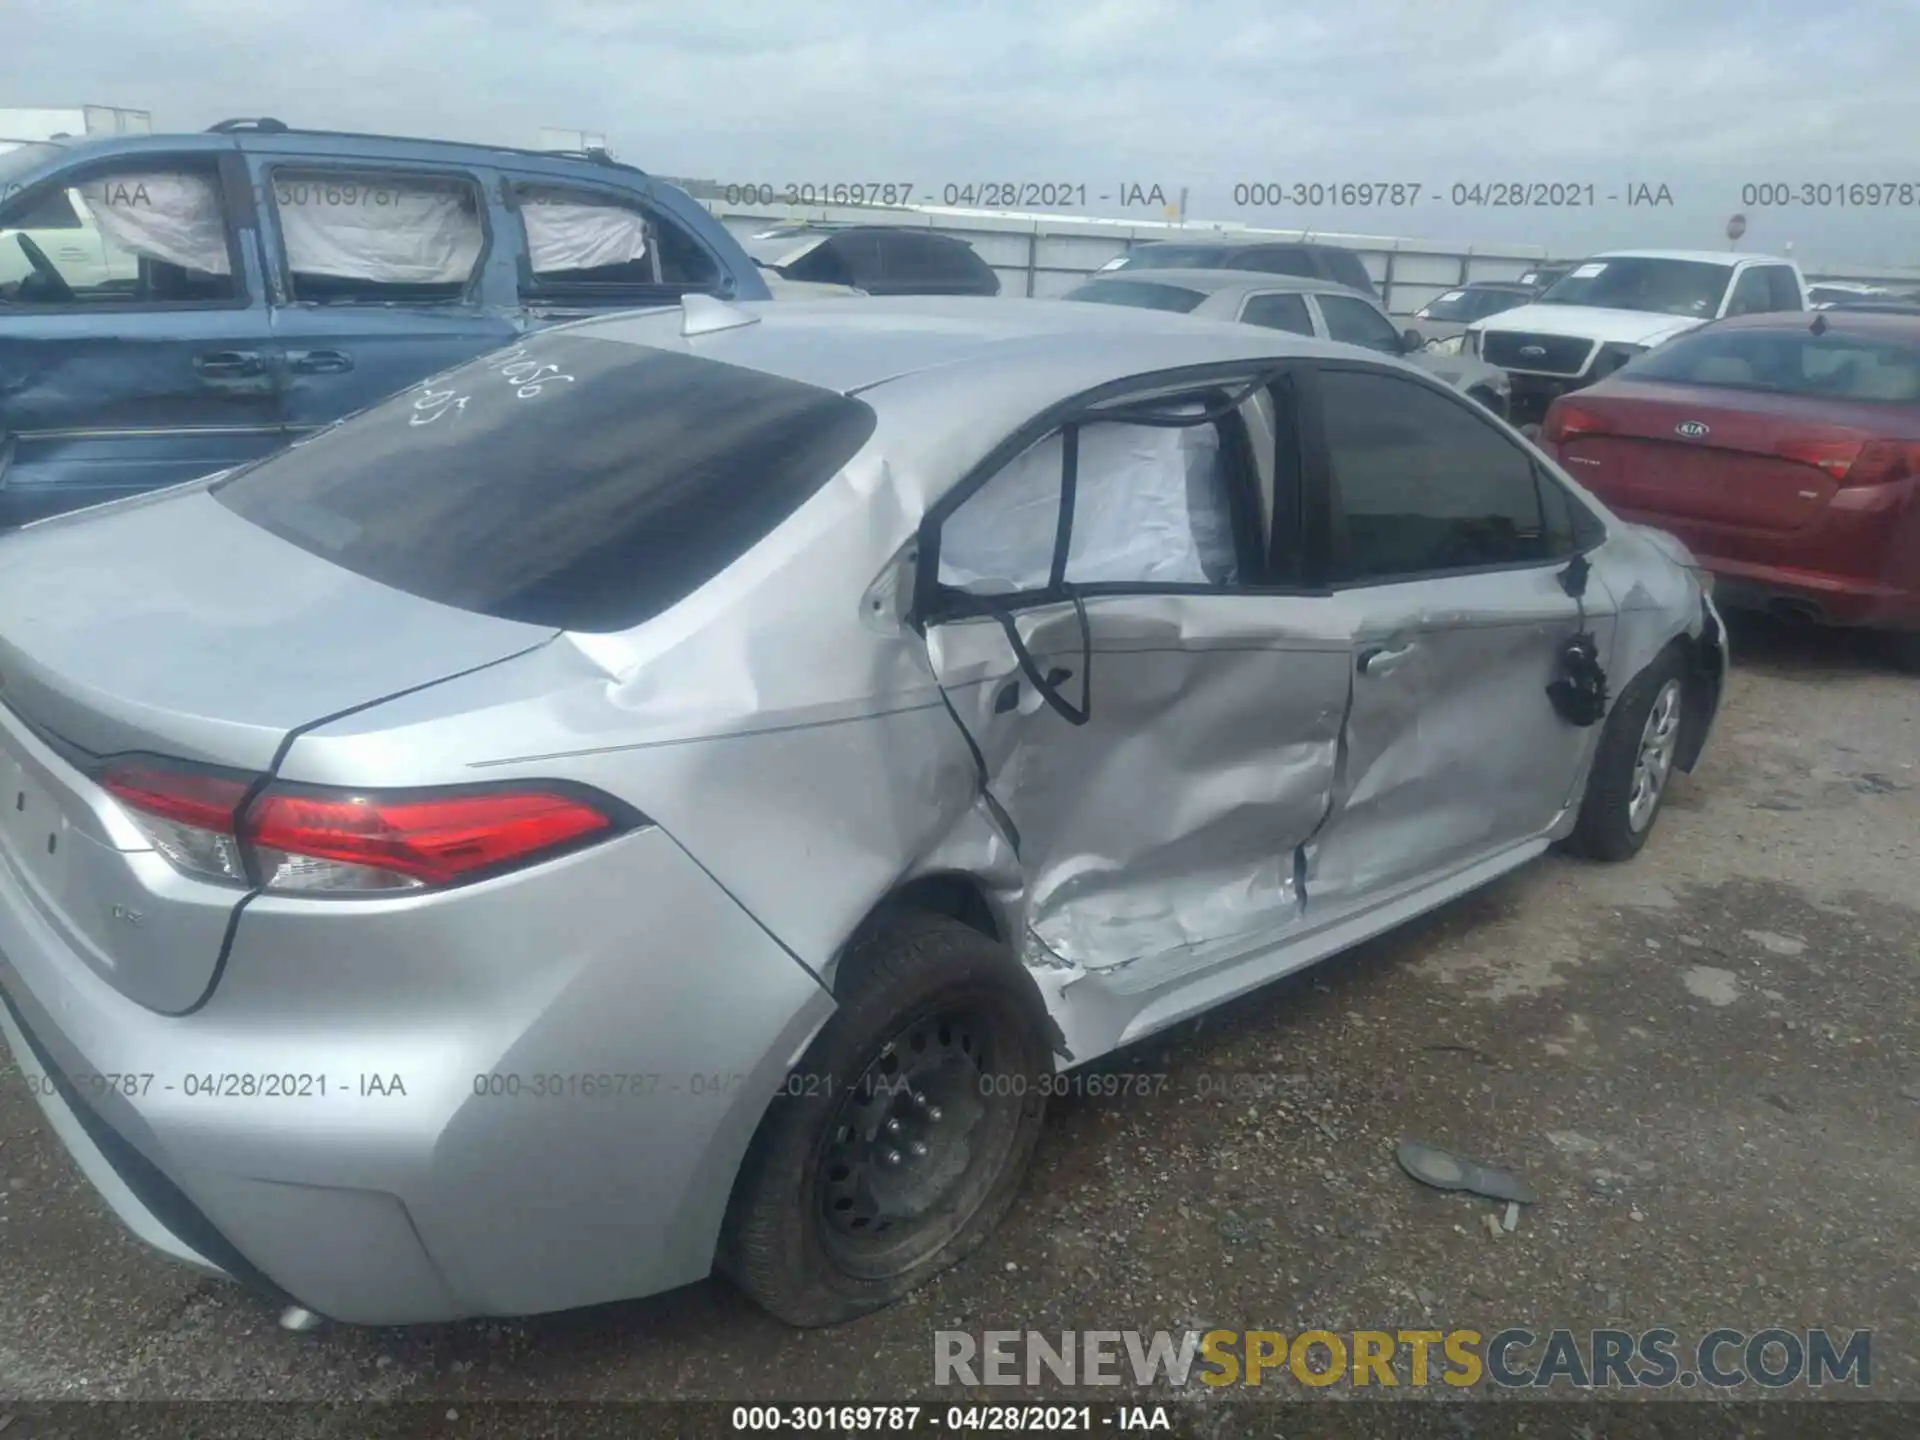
1833	454
1881	462
1569	422
320	841
187	813
311	841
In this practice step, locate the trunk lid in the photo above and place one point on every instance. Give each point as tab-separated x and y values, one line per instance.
1712	457
172	626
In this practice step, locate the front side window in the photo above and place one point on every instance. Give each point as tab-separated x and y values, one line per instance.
1751	294
1421	484
568	481
152	234
378	237
1355	322
1152	506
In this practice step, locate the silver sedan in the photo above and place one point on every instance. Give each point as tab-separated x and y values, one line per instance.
1303	307
675	792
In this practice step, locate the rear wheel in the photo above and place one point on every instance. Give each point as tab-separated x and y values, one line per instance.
1634	763
901	1138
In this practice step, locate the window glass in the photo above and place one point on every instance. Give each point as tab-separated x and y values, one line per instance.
1639	282
1141	293
1837	364
1349	269
1454	305
923	258
1492	302
1354	321
584	246
127	237
568	481
1784	289
1274	260
1151	506
1279	312
378	236
1751	294
1421	484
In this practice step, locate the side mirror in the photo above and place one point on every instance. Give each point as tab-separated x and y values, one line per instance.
1412	340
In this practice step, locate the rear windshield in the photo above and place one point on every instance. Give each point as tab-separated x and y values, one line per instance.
1142	294
1174	257
568	481
1795	362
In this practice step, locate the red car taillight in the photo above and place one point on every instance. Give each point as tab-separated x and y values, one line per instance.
1566	422
1853	460
303	839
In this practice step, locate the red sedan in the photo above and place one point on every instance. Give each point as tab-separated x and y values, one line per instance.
1783	449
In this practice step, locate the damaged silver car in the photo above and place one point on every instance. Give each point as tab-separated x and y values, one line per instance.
671	794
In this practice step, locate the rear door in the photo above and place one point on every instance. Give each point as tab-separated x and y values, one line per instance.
381	274
147	364
1445	552
1151	691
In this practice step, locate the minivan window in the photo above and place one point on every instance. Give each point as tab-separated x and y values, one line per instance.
379	237
569	481
1142	294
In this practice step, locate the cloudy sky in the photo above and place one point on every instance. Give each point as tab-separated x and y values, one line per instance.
1704	96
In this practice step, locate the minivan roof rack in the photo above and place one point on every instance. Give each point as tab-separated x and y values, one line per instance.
266	125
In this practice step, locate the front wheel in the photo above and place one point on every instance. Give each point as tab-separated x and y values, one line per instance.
1633	764
900	1140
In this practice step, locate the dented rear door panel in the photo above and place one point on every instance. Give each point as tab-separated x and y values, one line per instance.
1173	818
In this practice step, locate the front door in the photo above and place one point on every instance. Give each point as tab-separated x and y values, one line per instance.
139	355
379	278
1447	550
1157	714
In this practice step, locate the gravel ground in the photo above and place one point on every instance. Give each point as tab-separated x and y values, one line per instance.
1706	1061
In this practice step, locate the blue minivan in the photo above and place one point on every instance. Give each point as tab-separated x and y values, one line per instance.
173	305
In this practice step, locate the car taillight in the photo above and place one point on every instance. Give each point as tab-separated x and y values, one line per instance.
1835	455
188	814
1881	462
1569	422
303	839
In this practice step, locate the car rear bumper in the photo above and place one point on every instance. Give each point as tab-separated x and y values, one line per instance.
1812	595
569	1141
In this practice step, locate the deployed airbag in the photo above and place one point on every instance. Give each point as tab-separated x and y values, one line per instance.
161	215
391	230
565	233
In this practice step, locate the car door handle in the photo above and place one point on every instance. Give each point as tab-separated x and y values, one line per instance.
1379	659
229	364
319	362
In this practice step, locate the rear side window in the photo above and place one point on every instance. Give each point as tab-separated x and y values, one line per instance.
378	237
586	246
1141	294
1836	365
568	481
1279	312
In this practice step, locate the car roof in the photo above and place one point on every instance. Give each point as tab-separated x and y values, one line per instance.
1220	282
1225	242
1892	325
1710	257
348	143
1494	285
852	346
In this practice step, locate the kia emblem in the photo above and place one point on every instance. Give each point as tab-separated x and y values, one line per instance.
1692	429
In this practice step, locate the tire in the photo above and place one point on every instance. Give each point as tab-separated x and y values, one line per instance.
921	989
1614	819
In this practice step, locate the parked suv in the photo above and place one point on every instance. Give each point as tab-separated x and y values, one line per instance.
1608	309
256	282
1282	257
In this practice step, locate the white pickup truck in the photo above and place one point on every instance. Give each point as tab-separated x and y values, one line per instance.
1614	306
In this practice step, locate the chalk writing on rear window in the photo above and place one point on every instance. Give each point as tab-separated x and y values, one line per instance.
526	377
